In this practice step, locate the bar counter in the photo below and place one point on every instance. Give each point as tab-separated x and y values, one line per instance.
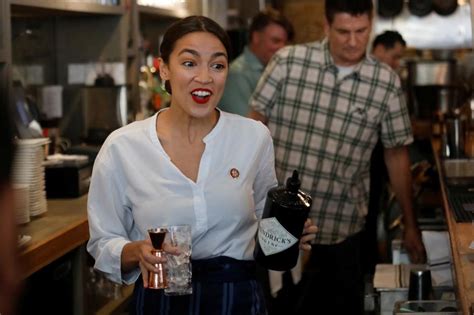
461	235
61	229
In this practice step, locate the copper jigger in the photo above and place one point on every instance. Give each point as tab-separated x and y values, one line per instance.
158	280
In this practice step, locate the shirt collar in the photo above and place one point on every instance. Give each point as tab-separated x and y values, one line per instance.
363	70
253	61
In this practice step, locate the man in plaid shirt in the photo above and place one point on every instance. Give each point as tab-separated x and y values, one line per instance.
326	104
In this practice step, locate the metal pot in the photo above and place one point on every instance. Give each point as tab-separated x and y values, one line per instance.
420	7
445	7
389	8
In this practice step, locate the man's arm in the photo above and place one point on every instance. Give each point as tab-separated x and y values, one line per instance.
398	165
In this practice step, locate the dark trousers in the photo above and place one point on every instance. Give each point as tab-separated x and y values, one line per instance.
333	280
221	286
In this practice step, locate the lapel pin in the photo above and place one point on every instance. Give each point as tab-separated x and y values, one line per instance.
234	173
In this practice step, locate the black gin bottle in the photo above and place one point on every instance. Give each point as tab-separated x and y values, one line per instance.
279	230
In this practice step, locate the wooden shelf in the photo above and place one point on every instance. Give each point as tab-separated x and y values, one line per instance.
161	12
45	7
61	229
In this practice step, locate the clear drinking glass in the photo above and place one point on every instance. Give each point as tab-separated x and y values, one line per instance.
179	266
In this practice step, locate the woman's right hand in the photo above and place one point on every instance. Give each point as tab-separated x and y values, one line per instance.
141	252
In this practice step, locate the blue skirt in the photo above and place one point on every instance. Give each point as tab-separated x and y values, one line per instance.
221	286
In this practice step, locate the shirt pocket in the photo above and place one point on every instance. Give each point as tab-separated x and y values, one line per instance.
365	116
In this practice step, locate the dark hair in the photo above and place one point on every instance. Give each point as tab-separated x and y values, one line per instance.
6	144
353	7
191	24
269	16
388	39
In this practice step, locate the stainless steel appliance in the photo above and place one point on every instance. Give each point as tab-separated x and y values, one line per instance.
433	86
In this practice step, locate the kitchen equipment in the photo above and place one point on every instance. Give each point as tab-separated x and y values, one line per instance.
420	7
67	179
431	72
420	287
432	87
389	8
459	171
461	201
445	7
427	307
455	131
391	285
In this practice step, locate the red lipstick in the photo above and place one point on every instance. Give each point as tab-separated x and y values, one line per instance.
201	96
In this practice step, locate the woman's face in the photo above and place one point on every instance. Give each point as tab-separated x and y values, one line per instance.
197	71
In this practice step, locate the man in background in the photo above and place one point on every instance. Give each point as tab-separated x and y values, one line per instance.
326	105
387	47
9	266
269	31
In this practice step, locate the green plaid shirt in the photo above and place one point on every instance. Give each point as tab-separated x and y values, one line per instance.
326	128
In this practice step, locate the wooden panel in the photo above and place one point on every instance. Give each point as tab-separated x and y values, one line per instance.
61	229
461	235
307	17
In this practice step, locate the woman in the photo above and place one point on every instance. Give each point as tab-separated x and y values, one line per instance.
190	163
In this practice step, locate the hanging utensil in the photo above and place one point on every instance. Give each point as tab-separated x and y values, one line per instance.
389	8
445	7
420	7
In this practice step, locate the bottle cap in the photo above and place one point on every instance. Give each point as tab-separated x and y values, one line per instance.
293	183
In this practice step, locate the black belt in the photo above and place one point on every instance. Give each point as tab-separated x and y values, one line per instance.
223	269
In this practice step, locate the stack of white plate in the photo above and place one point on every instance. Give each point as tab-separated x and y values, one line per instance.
28	169
22	203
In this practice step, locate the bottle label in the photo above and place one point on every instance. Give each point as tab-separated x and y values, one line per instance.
273	237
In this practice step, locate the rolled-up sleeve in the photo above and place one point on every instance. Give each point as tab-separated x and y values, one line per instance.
396	126
110	220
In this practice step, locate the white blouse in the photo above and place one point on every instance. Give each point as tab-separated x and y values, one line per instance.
135	186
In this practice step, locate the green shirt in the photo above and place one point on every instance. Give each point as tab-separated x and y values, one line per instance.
244	73
326	127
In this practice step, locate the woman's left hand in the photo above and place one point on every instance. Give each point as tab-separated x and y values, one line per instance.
309	234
